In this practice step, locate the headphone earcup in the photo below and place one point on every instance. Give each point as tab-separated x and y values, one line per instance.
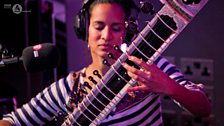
80	25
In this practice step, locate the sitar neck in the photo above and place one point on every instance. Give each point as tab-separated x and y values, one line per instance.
150	43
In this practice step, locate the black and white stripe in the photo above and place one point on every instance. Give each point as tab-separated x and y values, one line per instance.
47	103
44	106
140	114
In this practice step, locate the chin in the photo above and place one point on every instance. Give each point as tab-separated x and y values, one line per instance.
103	54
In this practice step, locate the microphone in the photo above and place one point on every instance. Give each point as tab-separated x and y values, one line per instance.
36	58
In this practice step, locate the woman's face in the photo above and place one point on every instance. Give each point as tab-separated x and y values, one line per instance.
107	28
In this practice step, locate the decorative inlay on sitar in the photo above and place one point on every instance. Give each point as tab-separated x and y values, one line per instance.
148	45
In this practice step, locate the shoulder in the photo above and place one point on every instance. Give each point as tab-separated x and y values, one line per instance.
75	74
72	78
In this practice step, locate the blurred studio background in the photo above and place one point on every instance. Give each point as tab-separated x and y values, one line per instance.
197	51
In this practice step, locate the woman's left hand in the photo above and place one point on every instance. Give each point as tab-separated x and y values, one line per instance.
150	77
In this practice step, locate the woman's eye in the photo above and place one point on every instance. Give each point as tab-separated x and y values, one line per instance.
99	28
117	28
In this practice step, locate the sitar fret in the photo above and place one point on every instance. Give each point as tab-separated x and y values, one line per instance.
116	85
159	17
91	106
104	85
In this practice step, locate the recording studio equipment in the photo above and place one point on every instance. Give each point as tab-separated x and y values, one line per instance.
36	58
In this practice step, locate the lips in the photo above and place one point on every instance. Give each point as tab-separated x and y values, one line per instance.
105	46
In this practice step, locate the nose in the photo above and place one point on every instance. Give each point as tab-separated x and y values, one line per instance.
107	34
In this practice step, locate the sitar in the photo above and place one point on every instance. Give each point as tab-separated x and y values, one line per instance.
150	43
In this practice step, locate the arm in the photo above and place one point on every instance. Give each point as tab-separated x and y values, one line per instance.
42	108
155	80
193	100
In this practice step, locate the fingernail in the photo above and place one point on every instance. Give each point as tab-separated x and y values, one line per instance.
130	57
124	64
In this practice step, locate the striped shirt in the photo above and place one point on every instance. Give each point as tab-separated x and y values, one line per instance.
42	108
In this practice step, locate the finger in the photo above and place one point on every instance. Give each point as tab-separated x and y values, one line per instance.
132	69
140	62
202	86
139	79
138	88
138	75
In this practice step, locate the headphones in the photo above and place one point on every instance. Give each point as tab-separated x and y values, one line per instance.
81	22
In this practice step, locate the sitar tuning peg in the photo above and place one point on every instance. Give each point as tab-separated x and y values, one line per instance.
106	62
117	48
110	55
146	7
83	91
87	85
96	72
92	79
